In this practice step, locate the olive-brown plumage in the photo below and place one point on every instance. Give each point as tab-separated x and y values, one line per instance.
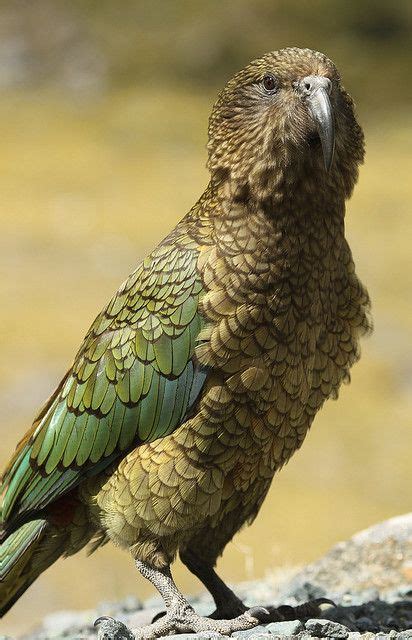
203	374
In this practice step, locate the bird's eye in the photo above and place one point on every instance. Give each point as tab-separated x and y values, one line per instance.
269	83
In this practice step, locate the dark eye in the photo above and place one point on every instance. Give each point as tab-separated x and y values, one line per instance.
269	82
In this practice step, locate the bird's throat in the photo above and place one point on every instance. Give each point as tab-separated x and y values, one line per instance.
262	242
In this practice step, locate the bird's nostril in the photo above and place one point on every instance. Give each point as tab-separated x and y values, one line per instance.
310	84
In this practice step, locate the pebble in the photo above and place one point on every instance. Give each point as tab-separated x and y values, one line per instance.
285	628
326	628
254	632
113	630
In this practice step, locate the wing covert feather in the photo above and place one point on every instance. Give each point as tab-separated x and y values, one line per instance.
133	381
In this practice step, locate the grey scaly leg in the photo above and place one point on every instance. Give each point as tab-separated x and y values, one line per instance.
180	616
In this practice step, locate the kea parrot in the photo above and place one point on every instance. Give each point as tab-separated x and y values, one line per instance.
203	374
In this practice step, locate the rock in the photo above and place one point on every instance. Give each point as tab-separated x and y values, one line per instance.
285	628
326	628
110	629
252	633
372	563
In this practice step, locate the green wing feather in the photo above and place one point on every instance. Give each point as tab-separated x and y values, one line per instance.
133	381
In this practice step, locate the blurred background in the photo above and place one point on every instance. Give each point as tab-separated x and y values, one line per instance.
103	121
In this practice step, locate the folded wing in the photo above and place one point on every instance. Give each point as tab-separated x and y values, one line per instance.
133	381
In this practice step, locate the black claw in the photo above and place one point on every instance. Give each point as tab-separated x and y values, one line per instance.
102	619
260	613
306	610
320	601
312	607
159	615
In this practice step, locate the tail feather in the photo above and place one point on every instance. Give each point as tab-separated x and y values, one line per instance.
14	549
24	554
28	549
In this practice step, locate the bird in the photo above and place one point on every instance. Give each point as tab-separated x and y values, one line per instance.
202	375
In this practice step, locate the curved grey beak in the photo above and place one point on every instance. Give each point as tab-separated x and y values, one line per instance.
316	90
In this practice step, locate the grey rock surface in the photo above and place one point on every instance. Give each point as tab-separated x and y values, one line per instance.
252	633
375	562
326	629
285	628
369	577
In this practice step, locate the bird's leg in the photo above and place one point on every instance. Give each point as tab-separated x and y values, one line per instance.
228	605
180	615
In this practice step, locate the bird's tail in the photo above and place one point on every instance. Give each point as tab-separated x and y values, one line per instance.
31	548
23	556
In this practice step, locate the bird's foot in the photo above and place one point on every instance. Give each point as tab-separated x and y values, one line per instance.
228	609
309	609
179	619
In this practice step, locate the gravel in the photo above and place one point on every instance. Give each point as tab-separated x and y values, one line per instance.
369	577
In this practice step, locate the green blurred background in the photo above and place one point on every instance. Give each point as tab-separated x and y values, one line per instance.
103	118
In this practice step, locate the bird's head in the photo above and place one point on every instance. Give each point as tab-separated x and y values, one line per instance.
283	118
